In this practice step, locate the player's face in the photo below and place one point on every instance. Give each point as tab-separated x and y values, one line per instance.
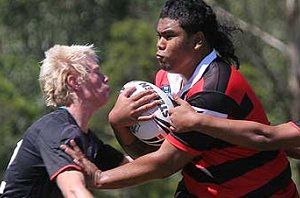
95	88
174	46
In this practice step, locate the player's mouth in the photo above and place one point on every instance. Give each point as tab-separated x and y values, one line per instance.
108	89
159	57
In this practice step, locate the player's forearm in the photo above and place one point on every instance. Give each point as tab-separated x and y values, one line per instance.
243	133
79	193
156	165
131	174
293	152
72	184
254	135
116	180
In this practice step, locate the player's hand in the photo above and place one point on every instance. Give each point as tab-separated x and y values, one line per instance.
181	116
90	170
128	109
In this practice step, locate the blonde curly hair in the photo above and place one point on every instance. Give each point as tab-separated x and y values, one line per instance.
59	61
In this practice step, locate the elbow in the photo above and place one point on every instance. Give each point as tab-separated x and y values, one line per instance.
165	169
72	192
159	171
163	173
263	140
261	143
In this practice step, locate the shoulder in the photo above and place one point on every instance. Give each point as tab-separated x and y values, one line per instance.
224	78
54	118
48	123
54	128
217	76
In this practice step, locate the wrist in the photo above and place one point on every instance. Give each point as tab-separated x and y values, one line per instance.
96	178
111	118
196	122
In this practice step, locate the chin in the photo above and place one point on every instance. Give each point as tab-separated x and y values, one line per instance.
169	69
166	67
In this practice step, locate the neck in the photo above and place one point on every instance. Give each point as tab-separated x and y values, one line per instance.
198	57
81	116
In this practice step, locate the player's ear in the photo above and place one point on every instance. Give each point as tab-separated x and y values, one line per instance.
199	40
72	81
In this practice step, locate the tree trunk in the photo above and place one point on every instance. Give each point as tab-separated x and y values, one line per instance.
293	55
293	49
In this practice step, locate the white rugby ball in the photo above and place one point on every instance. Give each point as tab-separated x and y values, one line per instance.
152	132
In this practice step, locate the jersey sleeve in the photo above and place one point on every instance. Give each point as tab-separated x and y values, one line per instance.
213	103
107	157
48	143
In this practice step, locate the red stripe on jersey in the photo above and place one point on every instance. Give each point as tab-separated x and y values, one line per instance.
258	114
72	166
196	88
181	146
234	91
215	157
160	136
241	185
290	192
209	190
161	78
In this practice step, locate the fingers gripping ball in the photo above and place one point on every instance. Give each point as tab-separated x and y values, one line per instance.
153	131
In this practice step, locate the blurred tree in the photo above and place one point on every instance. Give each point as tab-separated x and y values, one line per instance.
272	46
15	115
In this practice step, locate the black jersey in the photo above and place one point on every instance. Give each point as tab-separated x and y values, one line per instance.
38	159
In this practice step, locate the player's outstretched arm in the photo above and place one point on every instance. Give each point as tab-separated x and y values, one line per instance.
156	165
72	184
240	132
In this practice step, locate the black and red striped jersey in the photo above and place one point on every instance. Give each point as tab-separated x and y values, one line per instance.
221	169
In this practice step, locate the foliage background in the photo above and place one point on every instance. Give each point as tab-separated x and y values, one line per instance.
124	33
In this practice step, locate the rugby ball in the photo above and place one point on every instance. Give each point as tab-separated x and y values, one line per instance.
154	131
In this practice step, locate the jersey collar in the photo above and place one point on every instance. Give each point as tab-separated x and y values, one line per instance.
179	85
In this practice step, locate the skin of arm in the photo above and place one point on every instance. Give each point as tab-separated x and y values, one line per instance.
72	184
156	165
240	132
293	152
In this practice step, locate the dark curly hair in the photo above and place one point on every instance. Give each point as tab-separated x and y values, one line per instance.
195	16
